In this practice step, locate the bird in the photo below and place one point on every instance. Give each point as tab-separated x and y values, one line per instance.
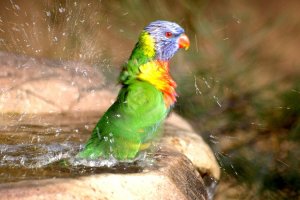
147	95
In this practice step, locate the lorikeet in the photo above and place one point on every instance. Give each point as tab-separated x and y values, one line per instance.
145	99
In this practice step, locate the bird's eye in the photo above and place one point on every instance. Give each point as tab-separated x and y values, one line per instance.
168	34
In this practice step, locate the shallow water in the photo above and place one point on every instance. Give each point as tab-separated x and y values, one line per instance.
39	152
43	147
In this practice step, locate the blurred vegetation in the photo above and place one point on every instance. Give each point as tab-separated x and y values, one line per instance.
239	83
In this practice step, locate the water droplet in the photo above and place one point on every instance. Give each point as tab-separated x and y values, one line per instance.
98	132
48	13
22	161
217	101
58	131
15	29
236	19
206	83
17	7
196	86
61	9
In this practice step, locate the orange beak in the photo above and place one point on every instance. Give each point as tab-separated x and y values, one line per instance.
183	41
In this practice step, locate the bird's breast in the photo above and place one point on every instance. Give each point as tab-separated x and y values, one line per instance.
157	73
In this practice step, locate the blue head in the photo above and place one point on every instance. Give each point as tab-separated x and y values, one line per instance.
168	38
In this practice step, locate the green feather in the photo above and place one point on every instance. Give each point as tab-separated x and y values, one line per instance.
142	53
129	124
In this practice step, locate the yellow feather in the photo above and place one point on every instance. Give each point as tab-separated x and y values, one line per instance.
148	44
153	73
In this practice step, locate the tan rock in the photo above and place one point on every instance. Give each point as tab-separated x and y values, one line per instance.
22	101
40	86
181	136
56	92
98	101
174	179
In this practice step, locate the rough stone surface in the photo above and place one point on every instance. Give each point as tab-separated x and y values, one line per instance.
38	86
175	179
35	91
181	136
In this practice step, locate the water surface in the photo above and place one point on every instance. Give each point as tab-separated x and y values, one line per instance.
32	151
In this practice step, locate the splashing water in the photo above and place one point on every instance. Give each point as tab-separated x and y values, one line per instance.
54	155
196	86
208	89
59	30
35	155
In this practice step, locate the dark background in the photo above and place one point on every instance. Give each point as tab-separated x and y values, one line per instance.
238	84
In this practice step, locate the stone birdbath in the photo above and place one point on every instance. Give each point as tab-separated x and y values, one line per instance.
45	103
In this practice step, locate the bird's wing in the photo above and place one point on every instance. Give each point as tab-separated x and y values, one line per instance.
129	122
